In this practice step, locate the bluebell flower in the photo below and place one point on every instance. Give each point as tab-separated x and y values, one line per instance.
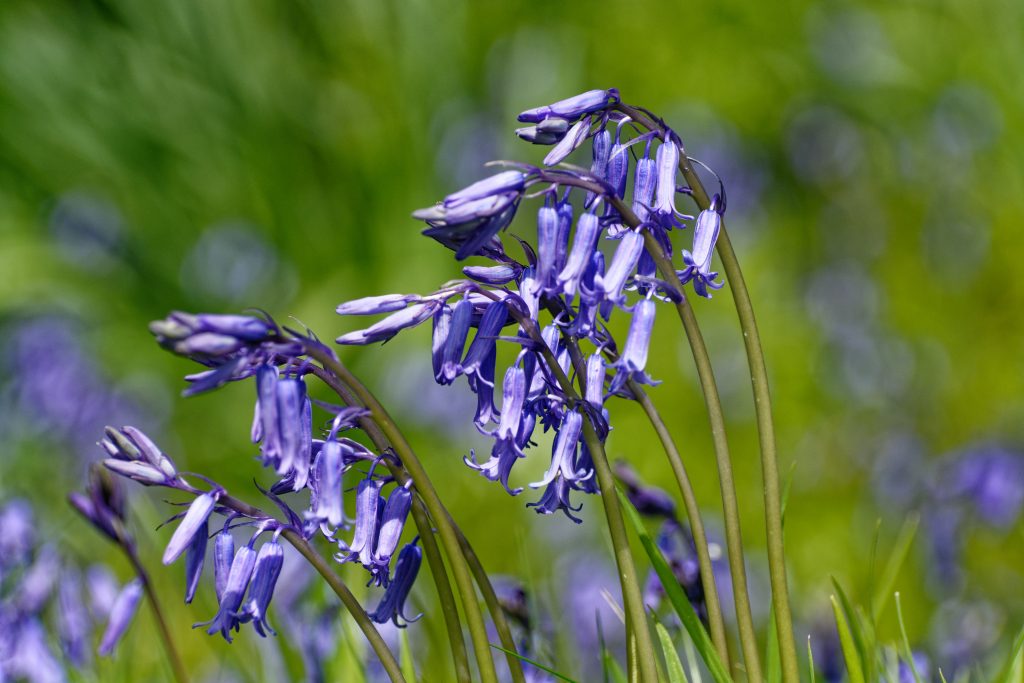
588	229
468	220
922	665
573	107
195	559
584	324
631	364
698	262
563	454
191	525
268	565
38	581
230	599
439	339
548	247
667	166
387	328
506	448
484	344
329	468
555	498
495	276
648	500
392	605
393	518
622	267
455	342
568	144
223	556
368	509
134	455
121	616
676	545
374	305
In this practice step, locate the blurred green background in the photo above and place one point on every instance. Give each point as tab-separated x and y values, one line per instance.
222	155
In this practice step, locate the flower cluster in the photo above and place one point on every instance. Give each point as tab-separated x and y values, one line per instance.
564	274
236	348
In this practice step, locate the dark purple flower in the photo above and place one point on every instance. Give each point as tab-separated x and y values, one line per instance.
392	605
455	342
121	616
573	107
269	563
648	500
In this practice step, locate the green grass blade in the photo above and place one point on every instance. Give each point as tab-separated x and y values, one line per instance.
908	654
691	659
676	674
853	669
538	665
810	662
1011	671
405	656
856	630
677	596
887	582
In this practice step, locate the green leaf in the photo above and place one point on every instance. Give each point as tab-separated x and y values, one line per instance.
864	653
810	661
405	656
892	568
561	677
1012	671
676	595
908	654
676	674
852	659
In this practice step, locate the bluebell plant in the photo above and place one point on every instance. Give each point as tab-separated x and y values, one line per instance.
529	324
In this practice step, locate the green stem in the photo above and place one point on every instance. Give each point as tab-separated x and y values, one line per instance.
641	658
700	541
762	406
445	596
450	541
483	582
766	434
177	666
730	507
